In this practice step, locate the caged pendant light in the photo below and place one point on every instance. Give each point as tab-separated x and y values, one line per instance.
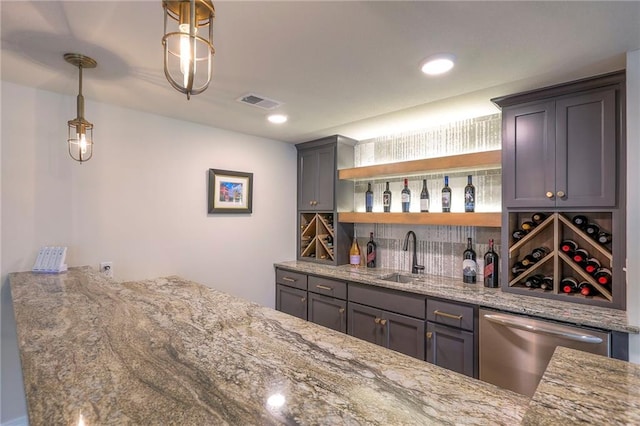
188	56
80	137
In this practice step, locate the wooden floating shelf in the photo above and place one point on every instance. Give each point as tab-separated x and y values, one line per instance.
475	160
456	219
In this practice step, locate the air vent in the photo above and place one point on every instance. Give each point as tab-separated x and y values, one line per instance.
259	101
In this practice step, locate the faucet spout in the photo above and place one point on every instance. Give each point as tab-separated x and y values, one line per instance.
415	268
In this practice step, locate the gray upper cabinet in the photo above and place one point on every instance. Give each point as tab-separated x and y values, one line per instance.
560	145
316	178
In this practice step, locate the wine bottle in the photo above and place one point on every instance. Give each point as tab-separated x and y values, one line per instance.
539	252
518	234
592	230
603	276
469	265
591	265
469	196
446	196
586	289
518	268
354	253
405	196
491	267
568	247
538	218
329	241
604	238
527	226
386	199
371	252
580	256
547	283
569	285
528	261
424	197
368	198
580	221
533	281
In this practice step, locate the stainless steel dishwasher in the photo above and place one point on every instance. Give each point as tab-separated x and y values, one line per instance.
515	350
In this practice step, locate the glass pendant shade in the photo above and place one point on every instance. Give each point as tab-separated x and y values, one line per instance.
80	135
188	44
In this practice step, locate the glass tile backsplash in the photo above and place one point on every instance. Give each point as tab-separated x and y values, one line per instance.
439	248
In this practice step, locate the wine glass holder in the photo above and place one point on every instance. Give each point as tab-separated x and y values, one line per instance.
550	233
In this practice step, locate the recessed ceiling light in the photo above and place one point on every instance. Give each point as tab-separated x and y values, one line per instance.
277	118
438	64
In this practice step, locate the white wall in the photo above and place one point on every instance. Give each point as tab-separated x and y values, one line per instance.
633	199
140	202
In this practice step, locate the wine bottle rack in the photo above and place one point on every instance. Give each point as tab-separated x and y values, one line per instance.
316	230
550	233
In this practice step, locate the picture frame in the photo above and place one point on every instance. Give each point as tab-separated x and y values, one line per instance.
230	192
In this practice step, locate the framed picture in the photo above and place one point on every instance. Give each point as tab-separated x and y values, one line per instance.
230	192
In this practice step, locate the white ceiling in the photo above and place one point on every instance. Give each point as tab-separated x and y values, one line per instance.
349	67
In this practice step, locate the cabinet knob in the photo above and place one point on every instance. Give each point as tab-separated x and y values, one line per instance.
310	203
304	299
383	322
429	335
560	194
549	194
377	320
341	310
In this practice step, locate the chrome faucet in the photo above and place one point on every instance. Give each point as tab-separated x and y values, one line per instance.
415	268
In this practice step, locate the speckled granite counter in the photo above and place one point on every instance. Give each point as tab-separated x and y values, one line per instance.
477	294
579	387
169	351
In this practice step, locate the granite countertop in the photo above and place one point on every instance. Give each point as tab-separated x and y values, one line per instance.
169	351
477	294
580	387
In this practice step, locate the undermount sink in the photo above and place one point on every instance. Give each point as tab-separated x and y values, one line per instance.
401	278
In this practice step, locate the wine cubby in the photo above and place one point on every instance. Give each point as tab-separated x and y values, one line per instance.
317	235
537	253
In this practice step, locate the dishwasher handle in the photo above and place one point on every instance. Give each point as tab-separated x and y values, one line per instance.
510	322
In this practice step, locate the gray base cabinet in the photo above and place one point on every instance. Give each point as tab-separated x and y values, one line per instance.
291	301
327	311
450	348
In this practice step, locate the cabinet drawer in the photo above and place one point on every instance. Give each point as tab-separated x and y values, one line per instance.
291	279
450	313
401	303
328	287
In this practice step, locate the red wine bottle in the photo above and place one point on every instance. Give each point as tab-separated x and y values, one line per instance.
518	268
592	230
518	234
528	260
603	276
604	238
539	252
405	195
469	265
580	256
491	267
469	196
591	265
386	199
568	247
446	196
586	289
569	285
368	198
580	221
538	218
534	281
547	283
371	252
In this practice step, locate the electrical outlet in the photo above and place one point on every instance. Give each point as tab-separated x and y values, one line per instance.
106	268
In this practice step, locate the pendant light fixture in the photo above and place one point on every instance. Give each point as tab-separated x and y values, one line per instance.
80	138
188	56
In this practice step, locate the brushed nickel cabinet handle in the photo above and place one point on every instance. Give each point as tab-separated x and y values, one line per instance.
549	194
289	279
324	287
446	315
560	194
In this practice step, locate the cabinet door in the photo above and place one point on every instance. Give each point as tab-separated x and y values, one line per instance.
451	348
316	176
363	323
586	150
528	155
404	334
291	301
328	311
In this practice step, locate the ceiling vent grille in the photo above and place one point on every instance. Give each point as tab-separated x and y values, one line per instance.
259	101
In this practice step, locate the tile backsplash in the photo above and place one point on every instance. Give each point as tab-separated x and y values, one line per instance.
439	248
